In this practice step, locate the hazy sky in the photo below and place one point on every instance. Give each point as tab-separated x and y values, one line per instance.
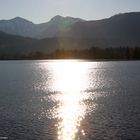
42	10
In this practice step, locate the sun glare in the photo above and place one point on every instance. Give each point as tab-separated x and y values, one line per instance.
68	84
69	80
69	77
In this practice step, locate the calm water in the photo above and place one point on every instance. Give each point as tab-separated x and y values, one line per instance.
69	100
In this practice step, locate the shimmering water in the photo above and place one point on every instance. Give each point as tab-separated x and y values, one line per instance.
69	100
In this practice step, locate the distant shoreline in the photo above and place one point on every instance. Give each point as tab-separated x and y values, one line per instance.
71	59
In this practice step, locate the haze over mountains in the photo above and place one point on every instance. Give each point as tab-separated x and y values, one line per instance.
25	28
21	35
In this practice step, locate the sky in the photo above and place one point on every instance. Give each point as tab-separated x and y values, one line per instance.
39	11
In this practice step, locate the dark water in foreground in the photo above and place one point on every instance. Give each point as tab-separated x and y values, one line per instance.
69	100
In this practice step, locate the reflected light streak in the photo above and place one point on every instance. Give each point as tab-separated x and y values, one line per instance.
71	112
70	80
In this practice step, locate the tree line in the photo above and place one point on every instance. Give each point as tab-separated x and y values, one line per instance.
110	53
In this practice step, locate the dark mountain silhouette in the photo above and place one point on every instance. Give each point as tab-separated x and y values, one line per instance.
119	30
12	44
16	44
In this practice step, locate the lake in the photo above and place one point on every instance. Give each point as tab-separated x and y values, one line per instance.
69	100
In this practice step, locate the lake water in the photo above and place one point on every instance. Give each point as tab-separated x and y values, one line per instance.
69	100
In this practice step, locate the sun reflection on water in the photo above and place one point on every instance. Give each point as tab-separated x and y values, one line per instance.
69	83
71	112
69	77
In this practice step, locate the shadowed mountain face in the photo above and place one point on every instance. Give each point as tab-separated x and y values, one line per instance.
13	44
121	26
119	30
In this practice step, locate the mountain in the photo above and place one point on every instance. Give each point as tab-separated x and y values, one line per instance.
118	30
18	26
70	33
25	28
15	44
55	25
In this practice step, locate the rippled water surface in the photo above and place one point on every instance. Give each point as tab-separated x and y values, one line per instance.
69	100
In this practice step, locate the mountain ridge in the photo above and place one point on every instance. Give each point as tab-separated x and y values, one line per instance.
59	26
22	27
116	31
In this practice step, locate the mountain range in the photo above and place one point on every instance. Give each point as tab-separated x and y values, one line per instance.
25	28
21	35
